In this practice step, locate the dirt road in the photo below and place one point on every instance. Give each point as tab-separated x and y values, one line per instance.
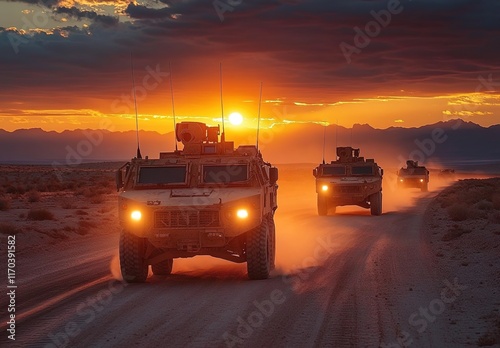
349	280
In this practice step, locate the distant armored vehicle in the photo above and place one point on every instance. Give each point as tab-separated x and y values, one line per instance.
447	174
208	199
351	180
414	176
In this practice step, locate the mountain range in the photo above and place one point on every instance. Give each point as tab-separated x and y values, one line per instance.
453	143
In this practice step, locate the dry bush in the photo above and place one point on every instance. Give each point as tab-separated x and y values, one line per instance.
495	217
98	199
34	196
84	227
4	204
9	229
484	205
496	201
67	204
40	215
454	233
81	212
458	212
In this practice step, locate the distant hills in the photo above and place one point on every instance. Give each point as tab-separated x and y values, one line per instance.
453	143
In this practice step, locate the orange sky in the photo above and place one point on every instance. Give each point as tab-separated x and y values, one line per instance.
66	64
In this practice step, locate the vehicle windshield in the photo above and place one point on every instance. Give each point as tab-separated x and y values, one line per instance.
162	175
362	170
420	171
225	174
338	170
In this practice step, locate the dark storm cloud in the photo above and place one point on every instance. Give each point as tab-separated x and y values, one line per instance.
427	47
79	14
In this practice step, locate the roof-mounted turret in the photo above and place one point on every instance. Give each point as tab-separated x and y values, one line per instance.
411	164
348	154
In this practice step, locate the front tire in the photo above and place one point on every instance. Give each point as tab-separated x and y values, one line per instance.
134	267
163	268
376	203
322	205
272	234
425	187
259	251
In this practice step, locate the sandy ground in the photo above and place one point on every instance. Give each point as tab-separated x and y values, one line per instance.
348	280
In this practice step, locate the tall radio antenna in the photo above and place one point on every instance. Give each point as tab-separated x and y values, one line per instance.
223	136
258	116
173	104
136	113
324	144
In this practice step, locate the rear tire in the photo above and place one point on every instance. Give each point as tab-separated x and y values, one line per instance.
163	268
133	265
376	203
425	187
259	251
322	206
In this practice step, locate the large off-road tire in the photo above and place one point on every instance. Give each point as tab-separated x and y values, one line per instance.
259	251
272	235
376	203
425	187
322	205
133	265
163	268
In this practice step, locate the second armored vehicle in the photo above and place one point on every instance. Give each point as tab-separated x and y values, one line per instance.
351	180
414	176
208	199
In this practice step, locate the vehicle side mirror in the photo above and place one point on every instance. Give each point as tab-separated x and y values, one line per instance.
119	179
273	175
315	172
381	172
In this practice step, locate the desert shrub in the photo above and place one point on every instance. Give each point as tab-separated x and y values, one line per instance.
9	229
458	212
67	204
496	201
487	340
454	233
495	217
40	215
81	212
98	199
87	224
34	196
4	204
484	205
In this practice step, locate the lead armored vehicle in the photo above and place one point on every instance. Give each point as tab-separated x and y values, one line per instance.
413	176
208	199
350	180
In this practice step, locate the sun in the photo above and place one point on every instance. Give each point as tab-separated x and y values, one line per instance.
236	119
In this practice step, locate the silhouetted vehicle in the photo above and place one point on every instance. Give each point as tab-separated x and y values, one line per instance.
208	199
413	176
351	180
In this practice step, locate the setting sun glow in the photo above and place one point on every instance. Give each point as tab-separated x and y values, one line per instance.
236	119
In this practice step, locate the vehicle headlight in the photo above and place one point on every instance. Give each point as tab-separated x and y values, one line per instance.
421	180
324	188
401	180
242	213
136	215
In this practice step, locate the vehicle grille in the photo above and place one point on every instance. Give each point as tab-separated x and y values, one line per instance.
347	189
186	218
